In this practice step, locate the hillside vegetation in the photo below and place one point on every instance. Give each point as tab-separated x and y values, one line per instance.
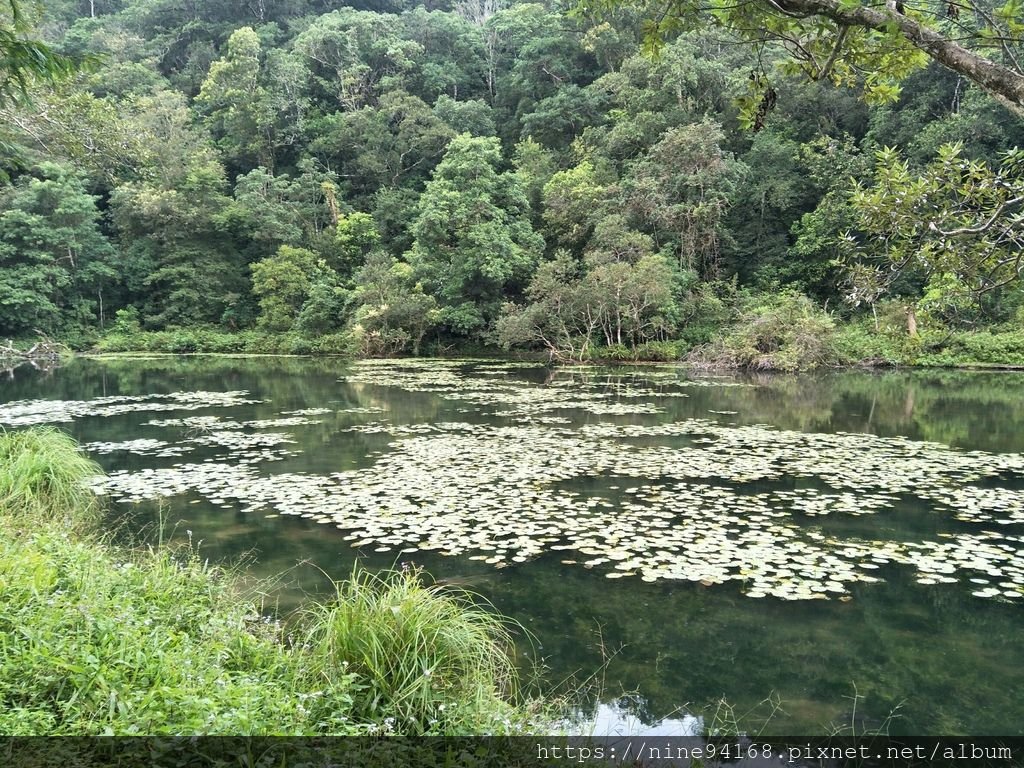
401	178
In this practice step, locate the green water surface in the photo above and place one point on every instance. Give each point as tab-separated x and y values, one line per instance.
636	521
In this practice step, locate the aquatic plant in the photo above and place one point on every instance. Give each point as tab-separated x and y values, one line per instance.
701	499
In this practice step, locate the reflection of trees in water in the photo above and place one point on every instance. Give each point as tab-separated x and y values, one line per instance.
954	660
921	651
979	409
12	366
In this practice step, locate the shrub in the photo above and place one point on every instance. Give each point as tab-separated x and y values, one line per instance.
382	342
860	343
127	322
335	344
115	342
661	351
697	333
214	341
783	332
651	351
612	352
977	348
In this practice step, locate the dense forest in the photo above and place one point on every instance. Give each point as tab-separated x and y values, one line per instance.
392	177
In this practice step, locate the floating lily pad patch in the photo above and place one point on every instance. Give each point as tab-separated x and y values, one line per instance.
140	447
696	499
496	492
24	413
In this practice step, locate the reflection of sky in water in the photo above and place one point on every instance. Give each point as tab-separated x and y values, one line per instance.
672	512
619	718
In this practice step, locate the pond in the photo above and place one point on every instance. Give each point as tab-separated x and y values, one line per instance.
821	553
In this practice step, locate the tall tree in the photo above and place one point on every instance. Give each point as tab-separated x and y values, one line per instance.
575	200
392	312
352	56
255	102
395	142
282	282
681	190
56	267
235	101
474	241
181	263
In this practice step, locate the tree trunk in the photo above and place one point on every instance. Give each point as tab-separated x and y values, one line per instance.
332	201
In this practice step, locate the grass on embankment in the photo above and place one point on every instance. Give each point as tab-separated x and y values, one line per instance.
96	639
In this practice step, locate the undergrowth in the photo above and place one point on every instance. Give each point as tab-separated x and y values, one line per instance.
780	332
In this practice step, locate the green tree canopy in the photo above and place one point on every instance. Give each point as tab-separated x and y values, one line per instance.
282	283
856	42
54	261
473	236
958	223
23	58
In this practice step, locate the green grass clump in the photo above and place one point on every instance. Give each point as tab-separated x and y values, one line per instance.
428	659
44	481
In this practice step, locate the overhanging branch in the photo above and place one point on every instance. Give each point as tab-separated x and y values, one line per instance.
1000	81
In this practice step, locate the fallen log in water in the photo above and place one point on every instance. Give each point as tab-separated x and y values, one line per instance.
44	349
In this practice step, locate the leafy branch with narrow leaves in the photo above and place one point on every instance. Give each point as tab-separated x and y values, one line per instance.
24	59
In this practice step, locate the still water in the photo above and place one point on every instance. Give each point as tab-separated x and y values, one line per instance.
819	553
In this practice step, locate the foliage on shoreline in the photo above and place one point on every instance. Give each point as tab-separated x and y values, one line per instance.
102	640
214	341
785	333
763	343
